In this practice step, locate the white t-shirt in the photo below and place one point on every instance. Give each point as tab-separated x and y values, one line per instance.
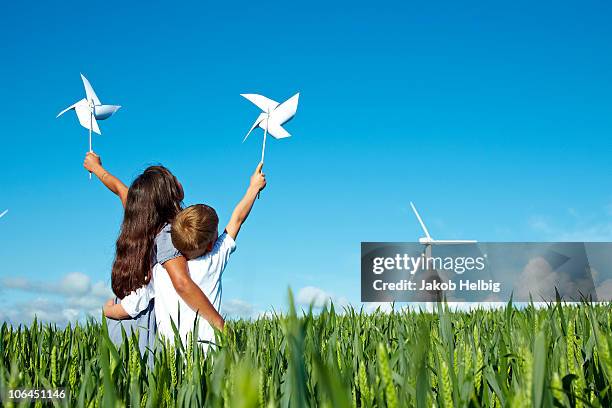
206	272
138	300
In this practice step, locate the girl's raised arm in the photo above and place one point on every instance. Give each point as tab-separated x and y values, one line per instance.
94	164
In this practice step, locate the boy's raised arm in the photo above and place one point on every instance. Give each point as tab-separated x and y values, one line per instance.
94	164
242	210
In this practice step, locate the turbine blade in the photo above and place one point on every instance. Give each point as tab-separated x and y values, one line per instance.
3	213
286	110
265	104
276	130
91	95
420	220
454	241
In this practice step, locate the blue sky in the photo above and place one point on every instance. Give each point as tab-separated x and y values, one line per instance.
495	119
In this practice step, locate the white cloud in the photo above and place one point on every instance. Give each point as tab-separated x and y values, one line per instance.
75	284
237	308
101	289
71	284
597	227
470	306
73	297
318	298
313	295
15	282
371	307
537	278
604	290
267	314
42	308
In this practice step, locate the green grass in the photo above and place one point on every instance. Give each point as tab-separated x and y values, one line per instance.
554	356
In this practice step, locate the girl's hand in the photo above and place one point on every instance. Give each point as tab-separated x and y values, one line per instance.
92	162
258	179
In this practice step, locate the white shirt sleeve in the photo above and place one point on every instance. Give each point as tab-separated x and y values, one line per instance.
224	247
138	300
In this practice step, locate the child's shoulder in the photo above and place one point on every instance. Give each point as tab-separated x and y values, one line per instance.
224	240
223	247
164	233
224	243
164	248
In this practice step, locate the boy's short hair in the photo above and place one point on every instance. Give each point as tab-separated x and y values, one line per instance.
193	230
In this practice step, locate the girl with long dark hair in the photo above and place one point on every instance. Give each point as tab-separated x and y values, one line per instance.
151	203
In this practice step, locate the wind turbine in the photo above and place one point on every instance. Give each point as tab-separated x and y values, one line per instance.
428	242
272	118
3	213
89	110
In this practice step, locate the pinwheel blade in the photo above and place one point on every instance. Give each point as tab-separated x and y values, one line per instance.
73	106
102	112
91	95
3	213
260	119
265	104
286	110
84	113
275	129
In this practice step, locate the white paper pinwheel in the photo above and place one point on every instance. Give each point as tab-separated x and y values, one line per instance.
3	213
273	117
90	110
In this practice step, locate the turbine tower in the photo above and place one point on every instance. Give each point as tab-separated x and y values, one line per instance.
429	242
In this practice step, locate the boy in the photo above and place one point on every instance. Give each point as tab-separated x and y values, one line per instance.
194	234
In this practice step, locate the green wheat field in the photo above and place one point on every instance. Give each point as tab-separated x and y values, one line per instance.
556	356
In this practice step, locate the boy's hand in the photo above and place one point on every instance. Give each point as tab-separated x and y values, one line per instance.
92	162
242	210
258	179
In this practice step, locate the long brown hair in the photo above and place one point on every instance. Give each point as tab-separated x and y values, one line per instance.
154	199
